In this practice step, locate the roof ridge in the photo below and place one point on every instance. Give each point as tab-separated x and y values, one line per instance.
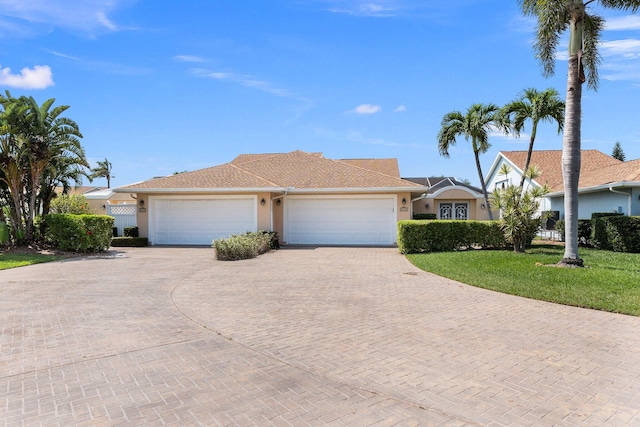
254	175
369	170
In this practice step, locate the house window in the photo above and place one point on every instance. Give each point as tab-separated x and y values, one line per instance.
502	184
454	211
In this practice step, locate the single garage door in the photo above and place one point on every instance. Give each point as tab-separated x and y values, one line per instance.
340	221
199	221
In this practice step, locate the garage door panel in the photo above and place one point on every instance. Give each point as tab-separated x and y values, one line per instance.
200	221
347	221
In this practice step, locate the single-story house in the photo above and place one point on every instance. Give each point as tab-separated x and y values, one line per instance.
99	198
449	198
304	197
606	184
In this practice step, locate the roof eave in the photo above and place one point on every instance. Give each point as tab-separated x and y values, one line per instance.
618	184
200	190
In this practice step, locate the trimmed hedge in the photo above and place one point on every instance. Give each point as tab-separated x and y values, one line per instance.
130	232
78	233
131	242
445	235
423	216
584	231
618	233
245	246
598	236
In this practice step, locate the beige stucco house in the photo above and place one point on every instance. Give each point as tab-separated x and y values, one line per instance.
449	198
304	197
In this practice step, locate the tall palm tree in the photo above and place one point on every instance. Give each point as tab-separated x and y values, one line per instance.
536	106
475	125
103	170
585	28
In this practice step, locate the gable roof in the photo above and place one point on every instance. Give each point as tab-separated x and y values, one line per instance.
549	163
383	166
295	171
436	184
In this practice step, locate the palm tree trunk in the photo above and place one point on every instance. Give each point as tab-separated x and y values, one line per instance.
571	162
534	129
482	183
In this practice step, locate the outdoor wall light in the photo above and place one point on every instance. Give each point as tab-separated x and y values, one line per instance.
483	206
404	201
278	202
427	206
141	202
104	207
263	201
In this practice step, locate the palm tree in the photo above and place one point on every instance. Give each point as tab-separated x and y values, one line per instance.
535	106
103	170
32	138
585	28
476	125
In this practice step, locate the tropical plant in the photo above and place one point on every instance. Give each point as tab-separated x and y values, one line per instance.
33	138
75	204
618	152
103	170
585	28
474	125
519	210
536	106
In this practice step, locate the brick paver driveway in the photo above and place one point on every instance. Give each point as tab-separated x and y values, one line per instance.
341	336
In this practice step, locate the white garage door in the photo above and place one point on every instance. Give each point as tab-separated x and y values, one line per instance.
340	221
199	221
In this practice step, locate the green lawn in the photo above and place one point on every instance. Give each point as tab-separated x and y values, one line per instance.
20	260
611	281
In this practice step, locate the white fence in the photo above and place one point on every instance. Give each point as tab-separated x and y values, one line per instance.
124	214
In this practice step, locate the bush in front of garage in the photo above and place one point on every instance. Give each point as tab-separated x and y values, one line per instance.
245	246
129	242
77	233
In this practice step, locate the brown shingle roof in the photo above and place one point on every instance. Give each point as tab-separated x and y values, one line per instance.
297	169
549	163
384	166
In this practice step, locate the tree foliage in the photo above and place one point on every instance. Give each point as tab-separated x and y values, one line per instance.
39	149
520	218
475	125
103	170
618	152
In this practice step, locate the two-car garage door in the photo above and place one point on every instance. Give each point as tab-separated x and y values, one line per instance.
310	220
340	220
198	221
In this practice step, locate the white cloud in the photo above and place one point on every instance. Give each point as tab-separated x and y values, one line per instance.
248	81
623	23
627	48
366	109
188	58
400	109
380	8
38	77
76	15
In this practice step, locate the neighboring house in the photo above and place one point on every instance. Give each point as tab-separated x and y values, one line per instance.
99	198
449	198
305	197
606	184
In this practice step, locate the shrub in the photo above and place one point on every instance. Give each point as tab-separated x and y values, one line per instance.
78	233
441	235
598	235
131	242
244	246
423	216
622	233
70	204
584	231
130	231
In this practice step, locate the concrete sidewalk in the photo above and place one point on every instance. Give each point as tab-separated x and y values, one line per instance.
306	336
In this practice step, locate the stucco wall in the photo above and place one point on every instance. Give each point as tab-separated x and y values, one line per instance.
601	201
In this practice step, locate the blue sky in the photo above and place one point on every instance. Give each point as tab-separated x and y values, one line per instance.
160	86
